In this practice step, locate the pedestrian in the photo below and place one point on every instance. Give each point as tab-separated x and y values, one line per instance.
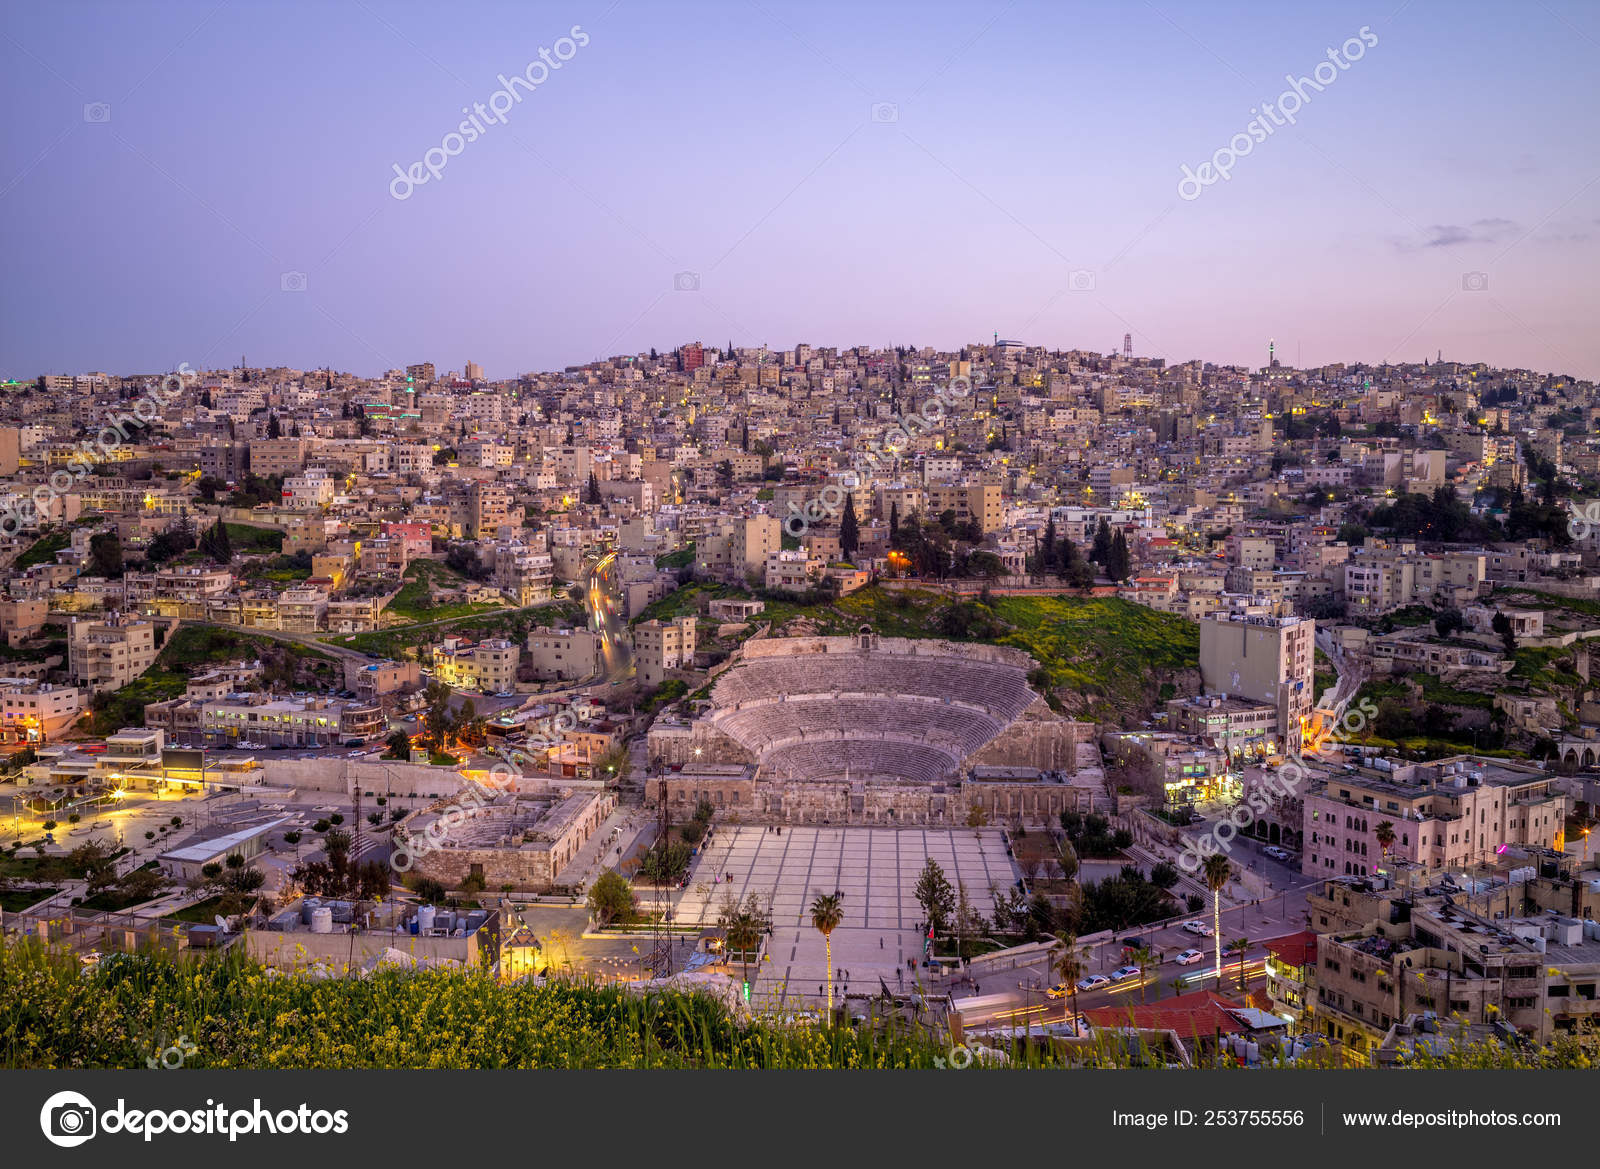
880	943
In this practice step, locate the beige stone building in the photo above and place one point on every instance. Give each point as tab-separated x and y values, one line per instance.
659	646
108	654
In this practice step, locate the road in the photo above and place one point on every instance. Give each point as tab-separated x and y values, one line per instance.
603	601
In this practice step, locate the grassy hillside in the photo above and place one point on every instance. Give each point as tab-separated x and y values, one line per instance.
1100	657
189	651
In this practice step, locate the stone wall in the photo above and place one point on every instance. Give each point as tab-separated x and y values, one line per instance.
1038	739
675	745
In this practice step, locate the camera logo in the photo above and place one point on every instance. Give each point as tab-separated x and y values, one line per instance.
1474	282
292	282
686	282
1080	280
97	112
885	111
68	1119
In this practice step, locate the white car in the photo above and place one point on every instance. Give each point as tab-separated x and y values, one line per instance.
1093	982
1190	957
1122	973
1197	927
1276	853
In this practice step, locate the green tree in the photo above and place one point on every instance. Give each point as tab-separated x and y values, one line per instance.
1385	835
849	529
593	494
105	555
1100	550
1216	872
611	899
1240	946
1501	624
1069	967
934	894
1117	562
826	914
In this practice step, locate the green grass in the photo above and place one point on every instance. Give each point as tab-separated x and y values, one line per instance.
201	913
682	558
414	601
1112	654
1536	667
1402	618
43	550
668	692
1433	691
115	901
1517	597
61	1017
249	540
16	900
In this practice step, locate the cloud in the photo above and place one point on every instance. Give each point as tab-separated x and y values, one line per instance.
1450	235
1479	231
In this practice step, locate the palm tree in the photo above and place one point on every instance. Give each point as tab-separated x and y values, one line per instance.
1069	965
1216	871
826	915
1385	834
1239	946
1144	958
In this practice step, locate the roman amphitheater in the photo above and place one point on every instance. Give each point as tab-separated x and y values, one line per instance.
870	730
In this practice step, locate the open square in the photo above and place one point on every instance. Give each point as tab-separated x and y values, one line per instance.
875	868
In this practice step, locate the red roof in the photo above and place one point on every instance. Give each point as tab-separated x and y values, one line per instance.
1196	1014
1294	949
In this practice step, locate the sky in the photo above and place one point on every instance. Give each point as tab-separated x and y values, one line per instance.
196	183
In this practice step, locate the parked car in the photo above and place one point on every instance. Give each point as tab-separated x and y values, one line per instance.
1276	853
1190	957
1122	973
1093	982
1197	927
1059	991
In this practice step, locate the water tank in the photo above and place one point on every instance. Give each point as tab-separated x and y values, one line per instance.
307	907
425	919
322	920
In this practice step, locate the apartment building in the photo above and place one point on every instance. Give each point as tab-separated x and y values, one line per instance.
979	502
738	545
659	646
32	711
1264	659
110	653
489	665
1447	814
564	655
20	619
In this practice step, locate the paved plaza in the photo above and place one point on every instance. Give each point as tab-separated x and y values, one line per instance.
875	868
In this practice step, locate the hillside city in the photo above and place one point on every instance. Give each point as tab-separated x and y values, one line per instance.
1063	705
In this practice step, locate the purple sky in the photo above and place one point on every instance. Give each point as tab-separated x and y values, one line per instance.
839	174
